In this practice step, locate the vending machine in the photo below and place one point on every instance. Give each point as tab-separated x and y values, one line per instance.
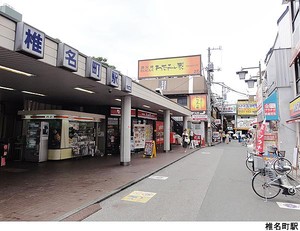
37	141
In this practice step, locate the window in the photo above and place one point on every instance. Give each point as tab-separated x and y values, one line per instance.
182	101
297	74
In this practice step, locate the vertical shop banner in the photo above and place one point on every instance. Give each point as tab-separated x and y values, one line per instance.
271	107
159	132
261	138
198	102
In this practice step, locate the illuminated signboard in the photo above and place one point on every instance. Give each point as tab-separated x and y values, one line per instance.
178	66
198	102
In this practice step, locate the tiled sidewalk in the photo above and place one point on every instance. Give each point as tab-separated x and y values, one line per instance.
59	190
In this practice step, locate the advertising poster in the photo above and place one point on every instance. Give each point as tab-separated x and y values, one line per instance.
164	67
159	132
139	135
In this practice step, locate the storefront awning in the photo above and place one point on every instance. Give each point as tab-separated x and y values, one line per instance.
295	120
295	55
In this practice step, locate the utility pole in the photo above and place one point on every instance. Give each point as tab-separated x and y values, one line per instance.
209	69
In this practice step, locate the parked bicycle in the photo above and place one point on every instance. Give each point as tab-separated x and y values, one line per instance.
267	184
275	159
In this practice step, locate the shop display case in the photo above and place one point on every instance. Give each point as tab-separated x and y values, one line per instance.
82	138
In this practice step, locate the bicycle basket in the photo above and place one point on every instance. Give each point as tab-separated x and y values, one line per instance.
259	163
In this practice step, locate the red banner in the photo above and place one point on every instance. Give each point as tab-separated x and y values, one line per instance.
261	138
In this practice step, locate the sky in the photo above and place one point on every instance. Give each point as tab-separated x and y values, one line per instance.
125	31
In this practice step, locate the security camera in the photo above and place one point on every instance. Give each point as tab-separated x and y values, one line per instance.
159	91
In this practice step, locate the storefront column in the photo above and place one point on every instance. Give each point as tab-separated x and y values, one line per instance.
185	122
167	125
125	131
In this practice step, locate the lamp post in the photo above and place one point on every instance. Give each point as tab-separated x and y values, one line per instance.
242	75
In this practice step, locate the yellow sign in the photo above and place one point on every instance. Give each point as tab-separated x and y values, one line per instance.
295	107
246	107
150	149
178	66
139	196
198	102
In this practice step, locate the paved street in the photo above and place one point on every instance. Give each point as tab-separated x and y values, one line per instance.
211	184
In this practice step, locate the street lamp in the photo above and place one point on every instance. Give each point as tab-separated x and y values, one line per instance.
253	79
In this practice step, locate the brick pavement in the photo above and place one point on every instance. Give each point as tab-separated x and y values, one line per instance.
70	189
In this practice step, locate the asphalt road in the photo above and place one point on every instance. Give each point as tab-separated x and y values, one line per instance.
211	184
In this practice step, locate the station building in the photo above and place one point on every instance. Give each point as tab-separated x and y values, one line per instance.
56	103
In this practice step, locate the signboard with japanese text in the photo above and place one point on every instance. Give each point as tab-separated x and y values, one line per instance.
261	138
93	69
112	78
147	115
126	84
198	102
228	109
165	67
295	108
199	116
271	107
117	111
243	123
67	57
245	107
30	40
159	127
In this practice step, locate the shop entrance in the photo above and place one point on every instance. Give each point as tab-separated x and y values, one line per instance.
113	136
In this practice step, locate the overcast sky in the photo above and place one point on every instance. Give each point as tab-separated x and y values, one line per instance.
125	31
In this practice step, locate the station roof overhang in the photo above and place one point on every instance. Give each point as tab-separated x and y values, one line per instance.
58	86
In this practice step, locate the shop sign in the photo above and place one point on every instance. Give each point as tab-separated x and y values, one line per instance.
164	67
271	107
112	78
30	40
67	57
93	69
228	109
199	117
295	107
126	84
245	107
198	102
147	115
270	136
261	138
117	111
159	132
244	124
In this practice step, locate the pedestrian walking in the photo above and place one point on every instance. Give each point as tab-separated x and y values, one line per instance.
227	138
185	139
192	139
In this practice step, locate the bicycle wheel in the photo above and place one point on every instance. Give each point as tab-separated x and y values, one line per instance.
295	183
262	187
282	166
250	163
